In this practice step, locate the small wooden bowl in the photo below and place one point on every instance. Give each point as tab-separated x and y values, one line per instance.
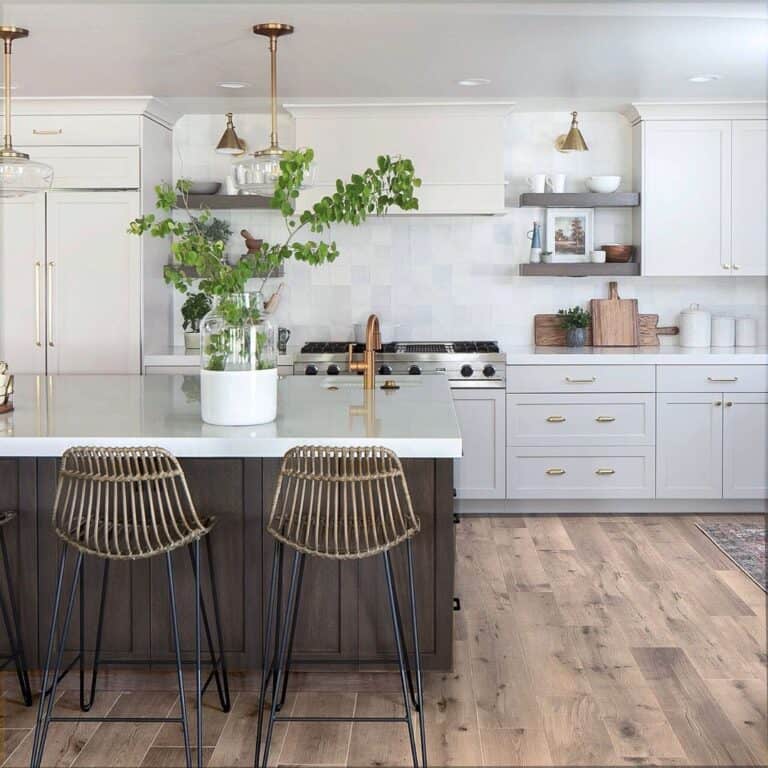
618	254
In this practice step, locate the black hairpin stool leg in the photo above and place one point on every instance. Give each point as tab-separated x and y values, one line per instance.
86	704
13	627
417	654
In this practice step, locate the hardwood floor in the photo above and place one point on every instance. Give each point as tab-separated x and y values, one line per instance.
581	641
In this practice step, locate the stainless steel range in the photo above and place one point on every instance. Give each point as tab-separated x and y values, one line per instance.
468	364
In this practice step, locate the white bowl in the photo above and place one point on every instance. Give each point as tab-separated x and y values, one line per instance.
602	183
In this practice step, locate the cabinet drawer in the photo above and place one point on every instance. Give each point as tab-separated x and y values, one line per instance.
580	420
580	473
76	130
90	167
580	378
712	378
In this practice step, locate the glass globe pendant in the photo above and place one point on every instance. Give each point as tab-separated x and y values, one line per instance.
258	173
18	174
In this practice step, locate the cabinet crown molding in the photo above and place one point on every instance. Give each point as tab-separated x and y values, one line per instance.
148	106
699	110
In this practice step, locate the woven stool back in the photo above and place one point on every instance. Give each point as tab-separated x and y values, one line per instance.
342	502
124	503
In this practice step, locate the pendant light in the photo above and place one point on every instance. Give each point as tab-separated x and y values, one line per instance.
258	173
18	174
230	143
573	141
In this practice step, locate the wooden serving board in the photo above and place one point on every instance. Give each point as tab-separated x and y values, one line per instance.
615	321
548	333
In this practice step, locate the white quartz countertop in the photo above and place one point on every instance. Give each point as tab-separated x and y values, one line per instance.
664	355
53	413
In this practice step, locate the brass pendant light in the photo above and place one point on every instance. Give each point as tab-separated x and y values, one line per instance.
230	143
258	173
573	141
18	174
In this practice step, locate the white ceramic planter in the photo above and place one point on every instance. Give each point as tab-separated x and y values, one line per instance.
237	398
192	341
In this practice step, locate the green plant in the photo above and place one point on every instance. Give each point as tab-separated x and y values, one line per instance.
216	229
391	183
575	317
194	309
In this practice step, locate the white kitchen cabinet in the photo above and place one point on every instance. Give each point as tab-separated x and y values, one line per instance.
689	445
480	473
686	198
749	205
457	150
745	446
22	283
93	283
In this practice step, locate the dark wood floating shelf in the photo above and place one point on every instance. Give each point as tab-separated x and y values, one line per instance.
579	199
580	270
227	202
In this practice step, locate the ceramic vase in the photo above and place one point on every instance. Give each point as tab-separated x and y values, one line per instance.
575	337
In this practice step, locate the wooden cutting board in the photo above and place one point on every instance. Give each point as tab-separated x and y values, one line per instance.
548	333
615	321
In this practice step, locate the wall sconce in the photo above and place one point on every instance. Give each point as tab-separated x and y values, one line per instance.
573	141
230	143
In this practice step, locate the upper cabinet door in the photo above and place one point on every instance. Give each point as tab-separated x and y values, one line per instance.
22	283
94	302
750	197
687	198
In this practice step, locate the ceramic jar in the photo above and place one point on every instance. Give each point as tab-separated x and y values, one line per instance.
695	327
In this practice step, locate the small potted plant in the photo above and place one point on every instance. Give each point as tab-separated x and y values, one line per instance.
575	321
193	310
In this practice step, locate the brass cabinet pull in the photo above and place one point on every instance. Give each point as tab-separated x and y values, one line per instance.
718	403
51	265
728	403
591	380
47	132
736	266
605	419
724	378
605	471
555	419
555	471
725	266
38	341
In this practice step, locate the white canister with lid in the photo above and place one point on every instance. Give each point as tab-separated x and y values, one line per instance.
746	332
695	327
723	331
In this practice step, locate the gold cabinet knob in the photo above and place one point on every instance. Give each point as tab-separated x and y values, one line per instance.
555	419
725	266
718	403
736	266
728	403
555	471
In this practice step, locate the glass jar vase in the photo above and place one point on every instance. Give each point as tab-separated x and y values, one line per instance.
238	358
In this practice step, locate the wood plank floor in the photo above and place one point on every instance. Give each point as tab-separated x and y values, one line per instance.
581	641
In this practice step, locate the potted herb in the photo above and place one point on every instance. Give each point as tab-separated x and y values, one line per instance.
575	321
193	310
238	377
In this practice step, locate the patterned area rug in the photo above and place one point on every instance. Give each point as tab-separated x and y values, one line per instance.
744	543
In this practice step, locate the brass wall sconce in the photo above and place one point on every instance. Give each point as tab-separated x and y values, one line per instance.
230	143
573	141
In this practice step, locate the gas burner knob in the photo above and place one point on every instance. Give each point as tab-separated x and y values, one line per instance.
333	369
385	370
414	370
310	370
489	371
466	371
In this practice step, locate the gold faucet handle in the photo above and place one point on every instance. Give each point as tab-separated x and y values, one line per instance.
353	365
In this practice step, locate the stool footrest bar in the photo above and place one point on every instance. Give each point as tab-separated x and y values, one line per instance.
63	719
340	719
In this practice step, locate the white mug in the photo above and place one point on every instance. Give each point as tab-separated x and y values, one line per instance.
597	257
556	182
537	182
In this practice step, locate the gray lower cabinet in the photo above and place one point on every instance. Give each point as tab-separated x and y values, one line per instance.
745	445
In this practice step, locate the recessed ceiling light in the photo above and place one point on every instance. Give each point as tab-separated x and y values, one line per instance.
473	82
703	78
233	84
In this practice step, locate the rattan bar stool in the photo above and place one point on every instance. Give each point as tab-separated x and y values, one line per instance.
126	504
10	613
338	503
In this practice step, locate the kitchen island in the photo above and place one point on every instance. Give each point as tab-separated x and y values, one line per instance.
232	472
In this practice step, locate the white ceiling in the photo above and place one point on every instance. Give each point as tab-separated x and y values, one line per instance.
600	53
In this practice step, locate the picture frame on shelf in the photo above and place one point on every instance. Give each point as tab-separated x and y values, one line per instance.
570	234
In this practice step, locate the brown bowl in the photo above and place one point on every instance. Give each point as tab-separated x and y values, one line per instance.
618	254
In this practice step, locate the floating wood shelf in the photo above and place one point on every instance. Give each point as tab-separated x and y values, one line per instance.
586	269
227	202
579	199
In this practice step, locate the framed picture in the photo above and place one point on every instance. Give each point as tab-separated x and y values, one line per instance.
569	233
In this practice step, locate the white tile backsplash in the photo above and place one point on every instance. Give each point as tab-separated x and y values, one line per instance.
456	277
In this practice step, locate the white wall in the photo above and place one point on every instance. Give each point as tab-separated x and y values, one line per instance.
456	277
